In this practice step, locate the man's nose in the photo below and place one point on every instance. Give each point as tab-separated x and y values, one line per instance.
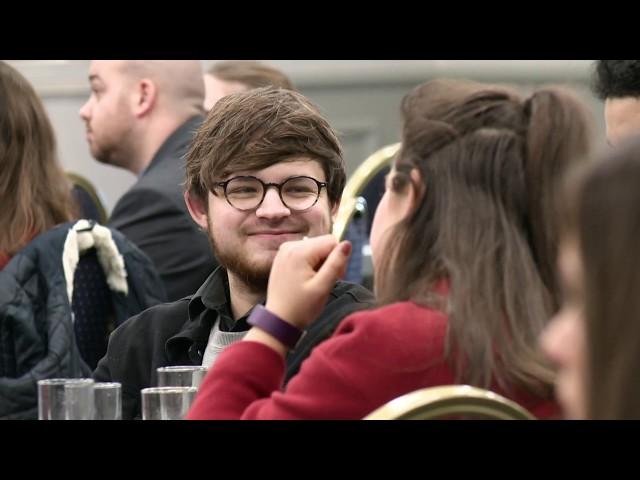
85	111
272	205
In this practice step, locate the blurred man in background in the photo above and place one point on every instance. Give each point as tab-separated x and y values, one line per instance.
233	76
141	116
617	82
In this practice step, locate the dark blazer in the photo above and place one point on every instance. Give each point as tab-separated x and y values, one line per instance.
154	216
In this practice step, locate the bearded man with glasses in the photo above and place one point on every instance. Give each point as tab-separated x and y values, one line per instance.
264	168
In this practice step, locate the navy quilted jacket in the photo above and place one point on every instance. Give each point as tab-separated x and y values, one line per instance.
37	338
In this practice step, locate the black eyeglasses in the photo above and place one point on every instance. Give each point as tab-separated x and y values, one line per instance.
247	193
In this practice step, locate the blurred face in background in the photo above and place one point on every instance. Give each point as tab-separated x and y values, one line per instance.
564	340
215	89
622	118
107	113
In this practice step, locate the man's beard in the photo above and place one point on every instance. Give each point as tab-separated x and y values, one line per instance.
103	156
117	155
115	148
255	278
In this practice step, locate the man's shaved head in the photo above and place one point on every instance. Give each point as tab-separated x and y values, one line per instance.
178	81
135	104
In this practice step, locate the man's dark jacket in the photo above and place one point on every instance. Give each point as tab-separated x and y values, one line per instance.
154	216
37	339
177	334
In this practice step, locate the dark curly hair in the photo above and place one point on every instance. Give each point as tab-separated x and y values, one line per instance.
616	78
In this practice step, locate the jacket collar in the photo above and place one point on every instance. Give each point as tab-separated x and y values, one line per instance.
205	305
175	142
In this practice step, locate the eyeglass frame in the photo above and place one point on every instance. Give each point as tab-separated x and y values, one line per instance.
266	186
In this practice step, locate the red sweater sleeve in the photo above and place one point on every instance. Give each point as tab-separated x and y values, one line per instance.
243	373
373	357
4	259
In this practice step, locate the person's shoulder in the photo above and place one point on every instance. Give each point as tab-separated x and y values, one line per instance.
40	257
147	199
354	291
410	333
165	180
147	186
10	287
403	316
137	195
161	319
412	308
400	337
346	298
166	170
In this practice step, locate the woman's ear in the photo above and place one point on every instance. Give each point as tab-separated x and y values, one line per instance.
417	188
408	200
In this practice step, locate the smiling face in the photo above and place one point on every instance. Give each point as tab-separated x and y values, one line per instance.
246	242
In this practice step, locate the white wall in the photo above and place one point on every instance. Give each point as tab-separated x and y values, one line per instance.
360	98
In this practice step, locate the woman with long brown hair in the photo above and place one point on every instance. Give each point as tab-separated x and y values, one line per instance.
463	244
594	337
35	193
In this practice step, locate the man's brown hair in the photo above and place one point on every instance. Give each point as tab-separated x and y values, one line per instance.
256	129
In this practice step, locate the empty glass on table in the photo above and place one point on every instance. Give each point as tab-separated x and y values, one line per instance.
166	403
181	376
65	399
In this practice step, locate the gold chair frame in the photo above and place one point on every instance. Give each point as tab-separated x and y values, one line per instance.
450	401
356	184
88	187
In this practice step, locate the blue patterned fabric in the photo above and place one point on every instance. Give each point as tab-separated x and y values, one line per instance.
372	193
38	327
92	309
357	233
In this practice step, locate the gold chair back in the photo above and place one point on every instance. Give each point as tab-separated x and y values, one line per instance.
87	187
450	401
356	184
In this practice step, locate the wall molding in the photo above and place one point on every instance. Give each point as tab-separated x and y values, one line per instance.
319	73
66	78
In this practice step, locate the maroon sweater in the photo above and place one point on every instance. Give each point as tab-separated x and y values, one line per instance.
373	357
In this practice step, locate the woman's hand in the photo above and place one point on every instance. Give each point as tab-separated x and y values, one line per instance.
303	274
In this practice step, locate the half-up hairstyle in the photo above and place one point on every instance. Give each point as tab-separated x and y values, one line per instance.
484	225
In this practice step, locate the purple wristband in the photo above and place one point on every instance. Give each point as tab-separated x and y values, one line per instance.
272	324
